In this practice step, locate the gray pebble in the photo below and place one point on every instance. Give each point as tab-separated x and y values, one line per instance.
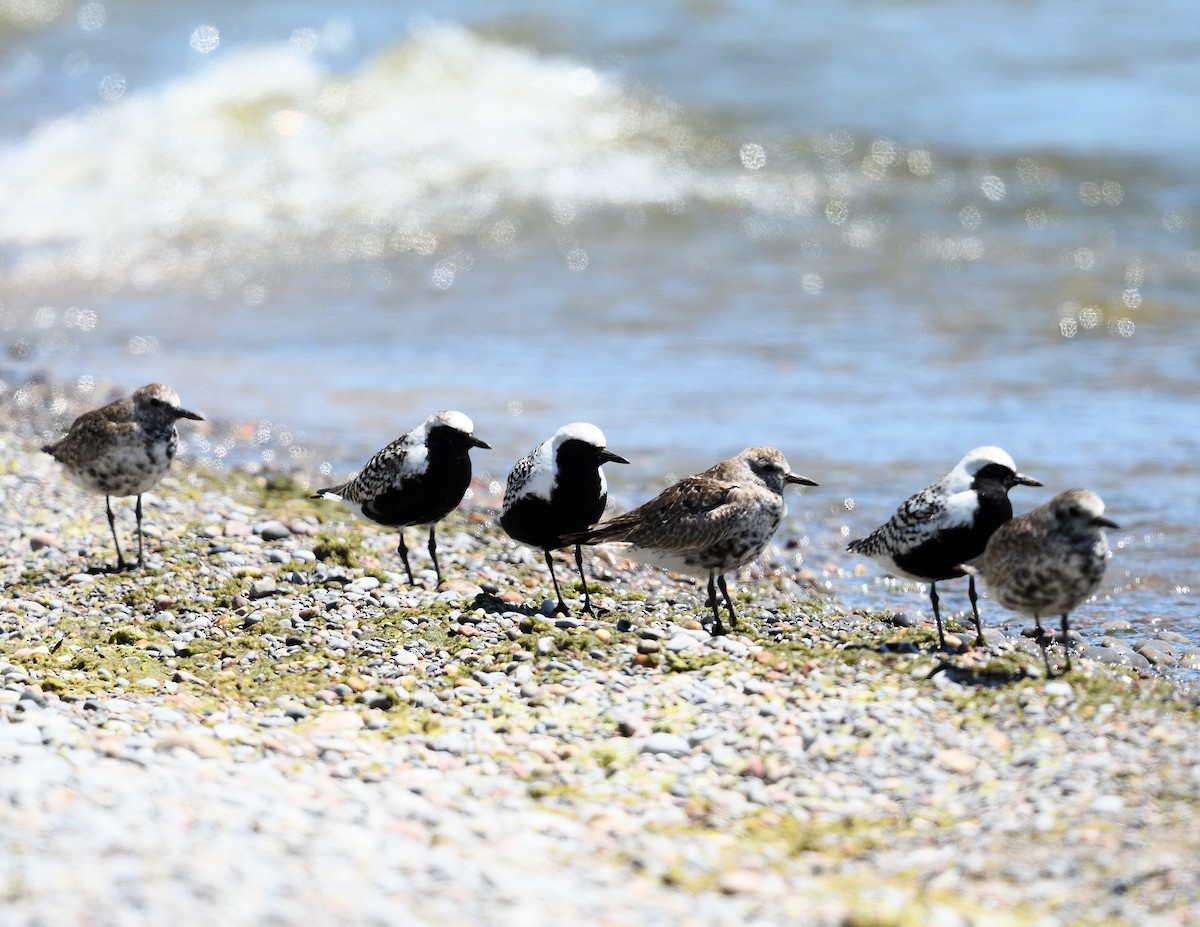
272	530
670	744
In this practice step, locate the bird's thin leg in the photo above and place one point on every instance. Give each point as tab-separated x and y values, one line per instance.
561	607
1041	639
718	629
1066	642
937	615
112	524
433	553
404	557
980	640
587	599
137	510
728	601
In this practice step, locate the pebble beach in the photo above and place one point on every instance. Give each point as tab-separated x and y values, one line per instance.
268	726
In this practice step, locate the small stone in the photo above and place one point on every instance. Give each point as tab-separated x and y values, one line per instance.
235	528
956	761
646	645
272	530
200	743
263	588
670	744
1057	688
42	539
1159	652
682	642
335	723
461	588
740	882
1109	804
376	699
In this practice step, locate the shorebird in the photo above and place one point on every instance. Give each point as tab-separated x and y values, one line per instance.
556	489
418	479
1050	560
712	522
947	524
123	449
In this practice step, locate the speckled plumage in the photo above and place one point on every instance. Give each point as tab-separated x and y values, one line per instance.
418	479
123	449
713	522
556	489
944	525
1049	561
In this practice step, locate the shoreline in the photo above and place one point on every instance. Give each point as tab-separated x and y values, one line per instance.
270	724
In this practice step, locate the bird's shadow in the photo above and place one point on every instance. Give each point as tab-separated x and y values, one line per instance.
989	674
494	605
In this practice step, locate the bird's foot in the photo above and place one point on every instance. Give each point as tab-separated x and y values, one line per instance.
104	569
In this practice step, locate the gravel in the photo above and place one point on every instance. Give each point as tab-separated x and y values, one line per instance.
269	728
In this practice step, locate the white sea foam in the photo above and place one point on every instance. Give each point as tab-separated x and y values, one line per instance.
264	156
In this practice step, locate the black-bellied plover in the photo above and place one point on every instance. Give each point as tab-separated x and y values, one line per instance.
556	489
946	524
712	522
1048	561
418	479
123	449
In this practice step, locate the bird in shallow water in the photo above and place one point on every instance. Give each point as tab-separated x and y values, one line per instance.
707	524
1050	560
418	479
934	532
556	489
123	449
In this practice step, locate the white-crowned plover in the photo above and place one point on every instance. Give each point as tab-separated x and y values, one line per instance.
1050	560
709	523
946	524
123	449
556	489
418	479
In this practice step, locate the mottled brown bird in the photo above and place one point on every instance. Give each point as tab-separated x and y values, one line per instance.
1050	560
710	523
123	449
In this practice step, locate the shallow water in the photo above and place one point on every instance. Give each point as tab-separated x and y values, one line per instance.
874	235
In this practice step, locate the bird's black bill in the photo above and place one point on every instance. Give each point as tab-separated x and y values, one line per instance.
610	457
479	442
800	480
1021	479
1101	522
194	416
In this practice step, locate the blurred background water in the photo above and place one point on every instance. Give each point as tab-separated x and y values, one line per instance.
874	233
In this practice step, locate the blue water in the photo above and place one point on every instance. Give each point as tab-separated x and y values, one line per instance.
875	234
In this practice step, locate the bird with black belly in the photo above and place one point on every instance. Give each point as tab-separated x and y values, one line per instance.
557	489
946	524
418	479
